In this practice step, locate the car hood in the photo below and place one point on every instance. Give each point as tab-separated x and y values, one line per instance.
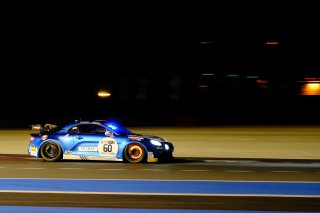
149	137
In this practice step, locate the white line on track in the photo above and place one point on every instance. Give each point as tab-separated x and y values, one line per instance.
165	180
156	170
3	167
30	168
244	171
112	169
286	171
195	170
72	168
167	194
219	161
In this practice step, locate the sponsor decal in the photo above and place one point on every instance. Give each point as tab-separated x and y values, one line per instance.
150	155
65	138
87	149
108	147
33	148
68	152
135	138
151	158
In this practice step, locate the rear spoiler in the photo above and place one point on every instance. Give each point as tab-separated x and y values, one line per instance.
45	128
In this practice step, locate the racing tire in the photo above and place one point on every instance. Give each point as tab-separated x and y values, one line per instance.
134	153
51	151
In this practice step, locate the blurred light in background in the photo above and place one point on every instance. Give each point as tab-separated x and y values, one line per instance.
310	89
262	83
205	42
104	94
203	86
272	42
252	77
207	74
310	79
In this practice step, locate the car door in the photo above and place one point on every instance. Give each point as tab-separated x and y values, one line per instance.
86	138
91	140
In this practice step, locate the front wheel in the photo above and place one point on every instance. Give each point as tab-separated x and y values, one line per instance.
134	153
51	151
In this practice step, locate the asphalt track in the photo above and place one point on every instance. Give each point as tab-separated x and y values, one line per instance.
254	154
22	166
19	168
32	209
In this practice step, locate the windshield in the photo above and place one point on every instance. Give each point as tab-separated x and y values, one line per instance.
117	128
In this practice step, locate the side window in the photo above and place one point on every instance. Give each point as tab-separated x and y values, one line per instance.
99	129
88	129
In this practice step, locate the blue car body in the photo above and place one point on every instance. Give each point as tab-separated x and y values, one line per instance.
101	140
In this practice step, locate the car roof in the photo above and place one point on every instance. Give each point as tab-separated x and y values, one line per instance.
110	125
68	126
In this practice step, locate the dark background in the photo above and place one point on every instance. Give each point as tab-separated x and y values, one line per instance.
152	59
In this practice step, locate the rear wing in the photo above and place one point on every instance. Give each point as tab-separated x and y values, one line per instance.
45	128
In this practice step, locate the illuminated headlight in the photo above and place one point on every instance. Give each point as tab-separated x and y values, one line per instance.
156	143
166	146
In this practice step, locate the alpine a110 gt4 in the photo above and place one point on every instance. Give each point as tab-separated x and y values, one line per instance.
97	140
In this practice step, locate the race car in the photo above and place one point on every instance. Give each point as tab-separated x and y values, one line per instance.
97	140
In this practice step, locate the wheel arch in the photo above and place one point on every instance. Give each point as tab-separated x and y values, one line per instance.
49	140
133	142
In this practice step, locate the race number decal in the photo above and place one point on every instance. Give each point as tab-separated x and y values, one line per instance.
108	147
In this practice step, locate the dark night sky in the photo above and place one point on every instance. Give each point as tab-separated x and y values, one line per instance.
53	51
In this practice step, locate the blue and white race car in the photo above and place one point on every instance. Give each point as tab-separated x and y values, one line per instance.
97	140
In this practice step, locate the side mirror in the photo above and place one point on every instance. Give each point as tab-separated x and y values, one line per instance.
108	133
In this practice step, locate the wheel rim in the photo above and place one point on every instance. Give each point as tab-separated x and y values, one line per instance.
135	152
51	150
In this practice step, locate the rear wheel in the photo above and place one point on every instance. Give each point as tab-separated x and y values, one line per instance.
134	153
51	151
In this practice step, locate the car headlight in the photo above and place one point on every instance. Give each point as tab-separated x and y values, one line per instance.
166	146
156	143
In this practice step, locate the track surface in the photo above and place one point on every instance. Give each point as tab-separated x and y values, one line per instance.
259	154
20	166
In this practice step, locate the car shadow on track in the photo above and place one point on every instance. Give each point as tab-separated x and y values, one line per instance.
184	160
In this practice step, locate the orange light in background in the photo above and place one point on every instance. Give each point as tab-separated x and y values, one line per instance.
310	89
262	83
272	42
104	94
205	42
203	86
259	81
